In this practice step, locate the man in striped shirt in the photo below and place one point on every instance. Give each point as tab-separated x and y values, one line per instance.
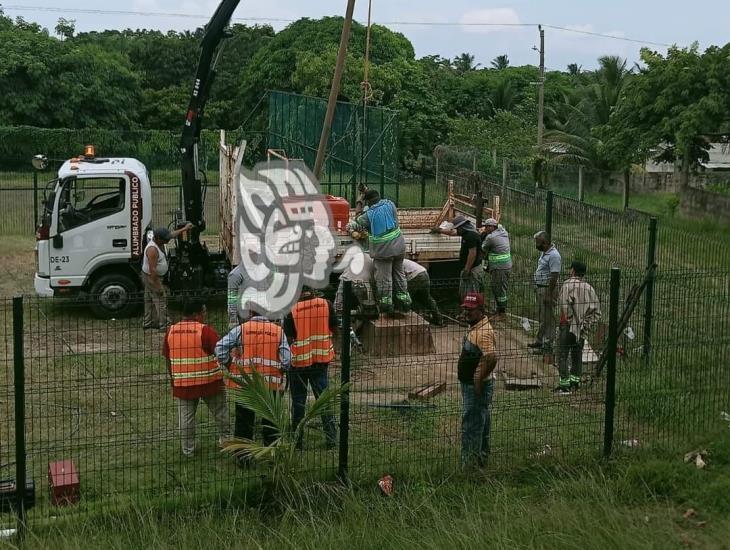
580	312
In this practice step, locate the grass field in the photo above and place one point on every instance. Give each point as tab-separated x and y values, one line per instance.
642	500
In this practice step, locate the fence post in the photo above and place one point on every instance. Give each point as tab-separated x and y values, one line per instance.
649	292
580	183
35	199
18	362
344	379
478	208
423	182
504	173
549	213
611	361
382	179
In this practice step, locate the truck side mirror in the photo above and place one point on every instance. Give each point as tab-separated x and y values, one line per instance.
40	162
58	241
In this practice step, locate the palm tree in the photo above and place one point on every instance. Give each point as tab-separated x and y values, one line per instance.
500	62
574	138
574	69
464	63
253	392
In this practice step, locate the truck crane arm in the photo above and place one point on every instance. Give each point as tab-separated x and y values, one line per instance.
192	177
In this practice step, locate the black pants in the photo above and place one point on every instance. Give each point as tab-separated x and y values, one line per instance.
244	425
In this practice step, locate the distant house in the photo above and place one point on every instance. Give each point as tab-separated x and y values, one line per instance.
719	161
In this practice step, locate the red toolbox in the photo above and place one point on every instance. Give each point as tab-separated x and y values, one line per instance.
340	209
63	482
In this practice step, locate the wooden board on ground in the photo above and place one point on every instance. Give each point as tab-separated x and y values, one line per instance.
522	383
427	391
410	335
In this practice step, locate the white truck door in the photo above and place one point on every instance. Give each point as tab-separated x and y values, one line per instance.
93	222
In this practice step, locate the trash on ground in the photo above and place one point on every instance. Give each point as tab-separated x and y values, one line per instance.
386	485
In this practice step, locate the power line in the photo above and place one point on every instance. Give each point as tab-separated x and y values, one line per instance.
136	13
602	35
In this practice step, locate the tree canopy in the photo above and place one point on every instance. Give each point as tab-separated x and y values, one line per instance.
605	119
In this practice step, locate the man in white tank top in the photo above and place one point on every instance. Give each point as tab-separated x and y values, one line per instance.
154	268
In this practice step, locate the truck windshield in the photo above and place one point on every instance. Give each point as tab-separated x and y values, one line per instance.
84	200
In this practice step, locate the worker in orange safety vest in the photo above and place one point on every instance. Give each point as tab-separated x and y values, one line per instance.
258	344
309	328
189	348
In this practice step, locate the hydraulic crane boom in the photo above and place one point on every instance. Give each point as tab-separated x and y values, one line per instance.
192	177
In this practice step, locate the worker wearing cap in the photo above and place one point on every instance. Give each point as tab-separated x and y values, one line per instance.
387	249
309	328
580	312
477	363
419	287
470	254
154	268
497	261
189	348
260	345
546	290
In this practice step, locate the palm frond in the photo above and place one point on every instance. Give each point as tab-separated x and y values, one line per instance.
253	393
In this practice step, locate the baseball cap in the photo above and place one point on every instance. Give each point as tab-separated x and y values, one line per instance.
459	221
473	300
162	233
490	222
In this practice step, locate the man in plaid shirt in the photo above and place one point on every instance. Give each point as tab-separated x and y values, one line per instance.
580	312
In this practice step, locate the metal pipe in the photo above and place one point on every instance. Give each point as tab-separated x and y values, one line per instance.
611	361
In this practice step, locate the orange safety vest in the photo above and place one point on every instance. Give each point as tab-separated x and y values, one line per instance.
260	341
314	338
189	363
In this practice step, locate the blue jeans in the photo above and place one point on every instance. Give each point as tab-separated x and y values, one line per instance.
316	377
476	423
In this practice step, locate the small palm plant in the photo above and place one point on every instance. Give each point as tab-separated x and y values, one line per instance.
253	393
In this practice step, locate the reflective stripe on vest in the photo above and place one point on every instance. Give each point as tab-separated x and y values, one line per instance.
384	238
260	341
499	258
190	365
313	343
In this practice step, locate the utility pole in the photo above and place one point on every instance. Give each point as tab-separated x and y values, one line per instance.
335	90
541	89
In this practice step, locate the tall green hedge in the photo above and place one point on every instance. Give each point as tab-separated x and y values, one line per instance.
155	148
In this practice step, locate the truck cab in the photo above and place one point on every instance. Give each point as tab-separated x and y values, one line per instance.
90	241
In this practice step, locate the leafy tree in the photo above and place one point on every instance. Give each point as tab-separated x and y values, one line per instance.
464	63
671	105
65	28
500	62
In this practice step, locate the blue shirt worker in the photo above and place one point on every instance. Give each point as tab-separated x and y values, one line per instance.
477	363
546	291
387	249
259	345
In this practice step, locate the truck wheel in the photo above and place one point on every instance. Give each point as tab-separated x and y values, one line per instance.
113	296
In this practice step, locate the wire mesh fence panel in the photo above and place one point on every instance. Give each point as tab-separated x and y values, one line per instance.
680	391
98	392
602	237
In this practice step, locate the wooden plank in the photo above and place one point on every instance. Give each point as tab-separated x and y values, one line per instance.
427	391
522	383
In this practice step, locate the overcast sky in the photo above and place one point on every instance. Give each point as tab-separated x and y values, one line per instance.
668	21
